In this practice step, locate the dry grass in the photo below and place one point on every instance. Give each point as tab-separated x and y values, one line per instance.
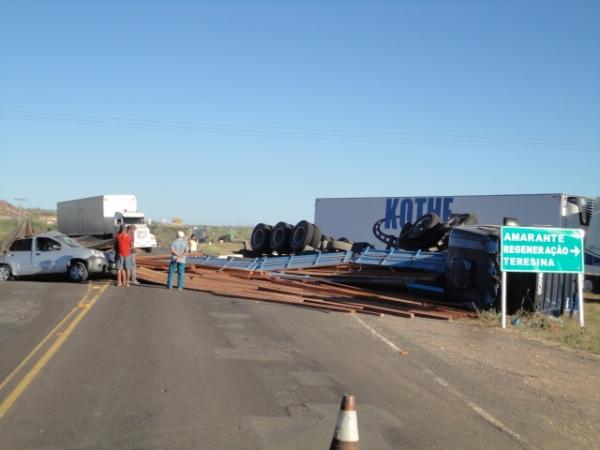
561	330
566	330
217	249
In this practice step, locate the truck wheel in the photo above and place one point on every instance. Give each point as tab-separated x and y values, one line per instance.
316	240
422	226
5	272
403	241
77	272
302	236
433	237
280	238
261	238
462	219
339	246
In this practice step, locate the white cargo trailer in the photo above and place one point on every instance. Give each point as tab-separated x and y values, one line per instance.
100	216
375	219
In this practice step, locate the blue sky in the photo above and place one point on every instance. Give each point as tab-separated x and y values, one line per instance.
238	112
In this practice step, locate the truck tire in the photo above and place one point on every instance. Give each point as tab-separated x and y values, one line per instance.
261	238
434	237
339	246
359	247
457	220
302	236
77	272
281	237
316	240
403	241
422	226
5	272
425	233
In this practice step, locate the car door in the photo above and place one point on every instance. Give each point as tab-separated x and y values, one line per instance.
19	254
48	256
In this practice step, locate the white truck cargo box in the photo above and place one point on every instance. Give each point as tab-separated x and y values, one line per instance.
594	234
92	215
361	219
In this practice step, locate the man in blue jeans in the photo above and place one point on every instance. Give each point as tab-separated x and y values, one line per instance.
178	251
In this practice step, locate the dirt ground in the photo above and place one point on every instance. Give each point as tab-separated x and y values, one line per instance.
571	374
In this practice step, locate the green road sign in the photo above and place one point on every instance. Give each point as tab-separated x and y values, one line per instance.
529	249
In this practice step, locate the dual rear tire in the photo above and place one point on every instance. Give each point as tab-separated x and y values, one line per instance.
281	238
261	238
305	235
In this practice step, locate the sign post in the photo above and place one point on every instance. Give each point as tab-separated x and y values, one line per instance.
504	294
580	298
542	250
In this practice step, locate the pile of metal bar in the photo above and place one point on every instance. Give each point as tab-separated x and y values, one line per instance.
298	288
418	260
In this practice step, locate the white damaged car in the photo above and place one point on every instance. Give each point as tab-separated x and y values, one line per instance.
51	253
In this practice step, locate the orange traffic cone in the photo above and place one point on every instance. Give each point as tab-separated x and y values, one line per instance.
345	436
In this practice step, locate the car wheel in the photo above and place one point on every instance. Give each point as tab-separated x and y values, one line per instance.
77	272
5	272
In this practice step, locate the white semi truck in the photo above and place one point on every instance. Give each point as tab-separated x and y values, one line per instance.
376	219
101	216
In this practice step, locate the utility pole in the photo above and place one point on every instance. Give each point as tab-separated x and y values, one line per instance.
20	202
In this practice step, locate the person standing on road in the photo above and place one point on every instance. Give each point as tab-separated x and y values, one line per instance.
193	246
123	256
178	252
131	231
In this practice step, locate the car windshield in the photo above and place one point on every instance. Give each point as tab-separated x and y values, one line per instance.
67	240
133	220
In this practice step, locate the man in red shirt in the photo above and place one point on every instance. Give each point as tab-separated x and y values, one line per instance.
123	245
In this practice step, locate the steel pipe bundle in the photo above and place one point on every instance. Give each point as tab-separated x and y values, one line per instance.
298	288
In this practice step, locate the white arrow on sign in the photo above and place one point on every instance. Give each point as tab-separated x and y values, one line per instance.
575	251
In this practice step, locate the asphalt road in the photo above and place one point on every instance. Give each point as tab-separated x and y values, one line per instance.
147	368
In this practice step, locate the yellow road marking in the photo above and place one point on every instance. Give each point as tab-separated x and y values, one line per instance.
43	341
35	370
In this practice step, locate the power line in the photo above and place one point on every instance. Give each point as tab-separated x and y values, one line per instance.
446	140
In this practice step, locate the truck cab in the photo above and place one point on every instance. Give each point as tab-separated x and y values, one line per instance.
143	239
592	247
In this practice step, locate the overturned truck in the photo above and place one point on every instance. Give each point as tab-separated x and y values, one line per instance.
456	259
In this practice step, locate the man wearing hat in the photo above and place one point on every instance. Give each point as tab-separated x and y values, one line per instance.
178	252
